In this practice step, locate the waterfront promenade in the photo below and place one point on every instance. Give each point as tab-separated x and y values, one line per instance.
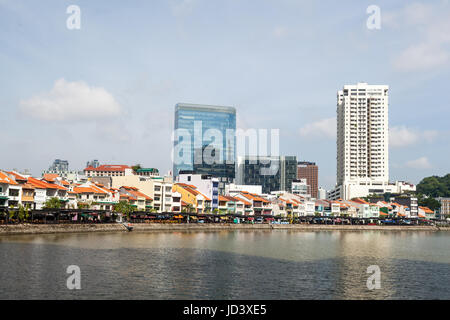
152	227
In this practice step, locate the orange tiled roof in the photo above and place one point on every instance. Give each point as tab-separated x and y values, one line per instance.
360	201
41	184
50	177
28	186
17	176
426	210
5	179
186	185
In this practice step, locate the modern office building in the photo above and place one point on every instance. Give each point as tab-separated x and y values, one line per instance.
273	173
204	140
310	172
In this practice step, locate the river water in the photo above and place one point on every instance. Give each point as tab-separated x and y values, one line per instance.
272	264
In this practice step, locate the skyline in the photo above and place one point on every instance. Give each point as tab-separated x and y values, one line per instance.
119	93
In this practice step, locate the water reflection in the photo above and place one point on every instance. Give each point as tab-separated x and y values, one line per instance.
269	264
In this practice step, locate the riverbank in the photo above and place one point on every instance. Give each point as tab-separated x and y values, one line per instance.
149	227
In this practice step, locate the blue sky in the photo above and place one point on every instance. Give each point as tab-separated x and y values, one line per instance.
114	82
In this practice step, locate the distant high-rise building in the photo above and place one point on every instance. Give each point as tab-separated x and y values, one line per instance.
273	173
210	149
321	193
310	172
59	165
93	164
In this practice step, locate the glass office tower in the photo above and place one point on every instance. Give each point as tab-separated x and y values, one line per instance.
270	172
204	140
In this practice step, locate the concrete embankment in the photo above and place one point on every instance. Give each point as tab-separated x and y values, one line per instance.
149	227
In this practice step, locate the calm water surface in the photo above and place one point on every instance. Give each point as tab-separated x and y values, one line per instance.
274	264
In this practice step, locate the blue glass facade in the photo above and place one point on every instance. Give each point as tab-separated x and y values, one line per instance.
210	134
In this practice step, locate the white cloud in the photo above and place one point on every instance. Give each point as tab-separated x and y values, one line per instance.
182	7
423	56
430	24
71	101
421	163
401	136
322	128
280	31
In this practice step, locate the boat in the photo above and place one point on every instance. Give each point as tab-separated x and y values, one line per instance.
127	226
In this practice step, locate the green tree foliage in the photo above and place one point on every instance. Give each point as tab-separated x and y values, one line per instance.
435	186
429	202
52	203
21	214
136	167
124	208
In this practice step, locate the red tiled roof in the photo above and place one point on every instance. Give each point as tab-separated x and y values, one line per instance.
109	167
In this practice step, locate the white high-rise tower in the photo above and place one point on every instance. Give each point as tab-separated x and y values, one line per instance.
362	140
362	133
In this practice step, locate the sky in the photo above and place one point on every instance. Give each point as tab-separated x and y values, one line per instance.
107	90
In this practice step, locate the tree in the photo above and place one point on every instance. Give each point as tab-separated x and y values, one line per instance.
27	212
435	186
124	208
52	203
21	214
429	202
83	205
136	167
11	212
189	208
